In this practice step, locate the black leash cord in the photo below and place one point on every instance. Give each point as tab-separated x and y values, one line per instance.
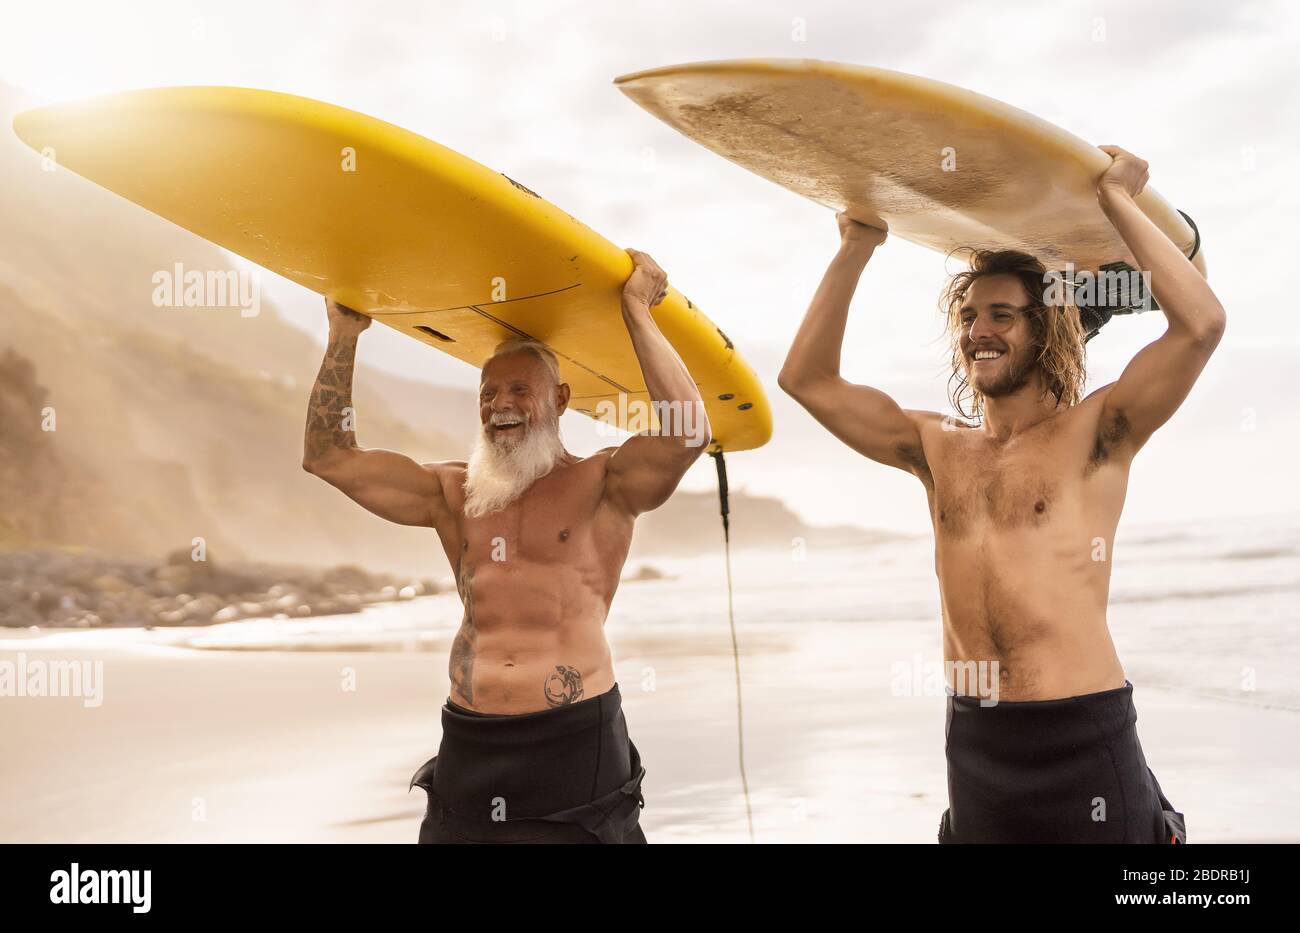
725	507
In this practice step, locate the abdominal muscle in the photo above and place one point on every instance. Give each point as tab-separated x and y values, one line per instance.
1034	602
533	639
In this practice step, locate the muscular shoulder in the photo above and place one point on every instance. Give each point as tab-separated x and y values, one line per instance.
591	468
450	477
447	469
935	428
927	421
932	429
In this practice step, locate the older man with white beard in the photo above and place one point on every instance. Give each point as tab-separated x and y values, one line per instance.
535	746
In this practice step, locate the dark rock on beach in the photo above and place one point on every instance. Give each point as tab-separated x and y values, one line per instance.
85	589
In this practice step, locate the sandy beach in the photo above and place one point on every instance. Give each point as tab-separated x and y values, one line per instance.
211	745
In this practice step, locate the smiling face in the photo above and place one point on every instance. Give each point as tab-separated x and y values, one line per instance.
997	341
520	402
1005	335
517	395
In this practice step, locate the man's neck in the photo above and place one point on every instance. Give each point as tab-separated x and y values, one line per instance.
1009	415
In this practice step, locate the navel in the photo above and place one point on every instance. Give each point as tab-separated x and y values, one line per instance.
564	535
1040	506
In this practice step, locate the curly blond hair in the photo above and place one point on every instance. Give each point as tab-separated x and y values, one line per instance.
1057	333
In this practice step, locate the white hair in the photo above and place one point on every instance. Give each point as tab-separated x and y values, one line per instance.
498	473
528	345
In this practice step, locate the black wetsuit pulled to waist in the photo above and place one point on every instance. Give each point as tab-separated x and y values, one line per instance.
1066	771
569	774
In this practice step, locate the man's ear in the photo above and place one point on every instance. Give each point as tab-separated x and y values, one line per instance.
561	397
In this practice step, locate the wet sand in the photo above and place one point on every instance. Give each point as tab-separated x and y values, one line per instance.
270	745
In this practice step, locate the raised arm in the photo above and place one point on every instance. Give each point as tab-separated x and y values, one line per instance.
1159	377
389	484
866	419
645	470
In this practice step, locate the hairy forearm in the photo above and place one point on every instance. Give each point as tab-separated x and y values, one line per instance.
329	421
1183	293
817	346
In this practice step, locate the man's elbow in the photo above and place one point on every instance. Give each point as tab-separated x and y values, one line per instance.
689	447
320	466
1206	331
689	427
1212	327
701	439
314	467
804	388
788	381
797	383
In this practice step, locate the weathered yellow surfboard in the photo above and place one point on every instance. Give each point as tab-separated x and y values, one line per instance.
396	226
941	166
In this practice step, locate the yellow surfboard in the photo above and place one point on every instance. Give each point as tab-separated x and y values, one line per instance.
941	166
396	226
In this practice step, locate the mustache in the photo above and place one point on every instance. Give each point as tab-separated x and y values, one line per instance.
502	417
500	471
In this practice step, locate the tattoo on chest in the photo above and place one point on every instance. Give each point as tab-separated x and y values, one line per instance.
563	686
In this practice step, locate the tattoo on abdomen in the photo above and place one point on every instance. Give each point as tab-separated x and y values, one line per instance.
461	667
564	686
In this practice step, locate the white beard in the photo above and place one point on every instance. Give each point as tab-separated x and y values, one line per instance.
498	473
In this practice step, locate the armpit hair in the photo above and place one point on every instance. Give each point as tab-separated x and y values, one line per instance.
1110	433
914	457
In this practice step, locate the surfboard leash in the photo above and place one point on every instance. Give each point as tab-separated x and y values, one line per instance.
1196	246
725	507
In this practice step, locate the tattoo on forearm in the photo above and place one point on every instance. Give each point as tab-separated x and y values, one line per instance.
563	686
331	395
461	666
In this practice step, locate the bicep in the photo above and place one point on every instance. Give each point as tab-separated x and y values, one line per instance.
867	420
1155	383
644	471
389	484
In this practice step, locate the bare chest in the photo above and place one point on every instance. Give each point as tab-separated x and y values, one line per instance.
555	532
1025	484
534	536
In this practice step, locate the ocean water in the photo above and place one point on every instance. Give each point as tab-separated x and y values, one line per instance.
1211	608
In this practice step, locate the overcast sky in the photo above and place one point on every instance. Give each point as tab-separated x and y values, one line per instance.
1205	91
